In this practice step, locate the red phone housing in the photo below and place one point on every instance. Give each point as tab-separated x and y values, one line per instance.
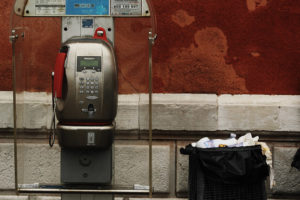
59	74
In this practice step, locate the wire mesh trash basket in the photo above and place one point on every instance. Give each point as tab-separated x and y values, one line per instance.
236	173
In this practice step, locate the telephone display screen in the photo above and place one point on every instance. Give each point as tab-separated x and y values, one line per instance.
88	62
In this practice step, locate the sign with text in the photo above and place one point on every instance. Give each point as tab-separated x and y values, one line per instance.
126	7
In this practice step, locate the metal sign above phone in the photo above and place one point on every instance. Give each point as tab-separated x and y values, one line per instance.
114	8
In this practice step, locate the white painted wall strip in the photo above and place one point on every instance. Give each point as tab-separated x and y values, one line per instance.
191	112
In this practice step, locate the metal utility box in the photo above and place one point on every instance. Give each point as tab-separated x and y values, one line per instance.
81	166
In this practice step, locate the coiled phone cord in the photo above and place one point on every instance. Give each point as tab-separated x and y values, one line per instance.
52	127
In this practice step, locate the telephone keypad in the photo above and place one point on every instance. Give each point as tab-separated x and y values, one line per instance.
89	85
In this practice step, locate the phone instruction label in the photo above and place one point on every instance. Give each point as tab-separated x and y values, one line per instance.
126	7
50	7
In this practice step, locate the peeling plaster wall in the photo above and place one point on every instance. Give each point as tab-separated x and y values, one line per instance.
220	47
228	47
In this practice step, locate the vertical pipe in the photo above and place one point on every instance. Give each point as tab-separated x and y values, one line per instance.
150	113
13	38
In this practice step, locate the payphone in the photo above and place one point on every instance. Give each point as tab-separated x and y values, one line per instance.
85	91
85	81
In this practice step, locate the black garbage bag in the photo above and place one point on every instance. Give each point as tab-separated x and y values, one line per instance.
236	173
230	165
296	160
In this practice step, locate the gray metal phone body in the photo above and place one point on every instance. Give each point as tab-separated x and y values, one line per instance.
90	82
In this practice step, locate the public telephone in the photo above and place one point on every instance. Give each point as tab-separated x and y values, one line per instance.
85	81
85	89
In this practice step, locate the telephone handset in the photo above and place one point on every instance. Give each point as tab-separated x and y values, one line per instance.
59	74
87	66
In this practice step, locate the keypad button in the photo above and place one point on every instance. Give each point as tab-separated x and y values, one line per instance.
87	82
87	79
96	91
92	87
92	92
87	87
96	87
81	91
87	91
92	83
96	79
81	78
81	87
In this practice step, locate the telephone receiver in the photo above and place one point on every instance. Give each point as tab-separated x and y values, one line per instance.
59	71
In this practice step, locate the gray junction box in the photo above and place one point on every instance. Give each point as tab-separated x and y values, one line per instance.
86	166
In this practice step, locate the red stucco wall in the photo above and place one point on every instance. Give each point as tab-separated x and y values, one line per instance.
233	46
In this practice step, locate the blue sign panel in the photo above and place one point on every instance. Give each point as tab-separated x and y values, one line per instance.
87	7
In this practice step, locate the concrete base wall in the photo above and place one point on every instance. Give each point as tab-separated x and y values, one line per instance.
188	112
178	119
